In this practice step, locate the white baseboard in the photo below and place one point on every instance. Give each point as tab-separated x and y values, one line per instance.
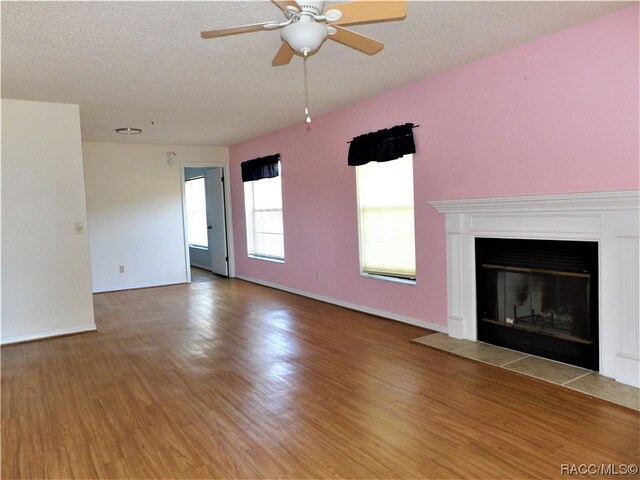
352	306
202	266
455	327
628	369
48	334
133	286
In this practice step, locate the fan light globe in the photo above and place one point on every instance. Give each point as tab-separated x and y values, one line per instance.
303	36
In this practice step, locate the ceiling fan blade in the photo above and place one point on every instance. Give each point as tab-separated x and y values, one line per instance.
284	55
223	32
364	11
283	4
355	40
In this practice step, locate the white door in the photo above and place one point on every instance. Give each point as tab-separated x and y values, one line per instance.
216	221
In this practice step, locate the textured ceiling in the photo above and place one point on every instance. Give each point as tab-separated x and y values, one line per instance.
128	64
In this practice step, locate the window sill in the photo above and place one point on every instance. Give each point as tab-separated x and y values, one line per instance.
199	247
267	259
386	278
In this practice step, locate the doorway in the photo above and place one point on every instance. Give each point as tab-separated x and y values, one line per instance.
206	214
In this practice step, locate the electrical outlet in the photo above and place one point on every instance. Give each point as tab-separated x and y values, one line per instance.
317	275
79	228
121	268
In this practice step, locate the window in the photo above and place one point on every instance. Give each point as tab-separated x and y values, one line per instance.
195	199
263	214
386	219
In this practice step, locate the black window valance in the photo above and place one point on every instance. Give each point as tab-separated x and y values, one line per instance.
263	167
382	146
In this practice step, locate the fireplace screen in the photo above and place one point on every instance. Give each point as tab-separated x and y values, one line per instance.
539	297
548	302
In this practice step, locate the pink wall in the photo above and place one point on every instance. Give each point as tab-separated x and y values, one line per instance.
557	115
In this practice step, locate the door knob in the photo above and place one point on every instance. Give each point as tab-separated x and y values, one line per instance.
208	227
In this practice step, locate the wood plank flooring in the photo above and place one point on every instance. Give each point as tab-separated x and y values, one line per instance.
202	275
226	379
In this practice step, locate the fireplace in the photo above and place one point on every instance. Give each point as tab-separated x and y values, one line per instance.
610	220
539	297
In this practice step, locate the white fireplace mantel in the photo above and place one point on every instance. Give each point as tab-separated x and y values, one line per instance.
609	218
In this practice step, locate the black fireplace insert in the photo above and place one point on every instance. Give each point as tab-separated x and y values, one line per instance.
539	297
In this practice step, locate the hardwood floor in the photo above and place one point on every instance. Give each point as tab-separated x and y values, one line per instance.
226	379
202	275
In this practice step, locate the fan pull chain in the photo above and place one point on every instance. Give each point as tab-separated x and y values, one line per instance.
306	91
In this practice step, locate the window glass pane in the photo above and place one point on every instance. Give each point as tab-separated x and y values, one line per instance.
195	199
263	213
268	193
387	231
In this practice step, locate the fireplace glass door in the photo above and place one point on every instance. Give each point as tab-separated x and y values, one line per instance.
547	302
528	301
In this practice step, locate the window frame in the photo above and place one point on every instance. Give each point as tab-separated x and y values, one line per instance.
389	277
189	216
250	214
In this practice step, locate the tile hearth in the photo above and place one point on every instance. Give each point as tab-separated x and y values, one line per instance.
580	379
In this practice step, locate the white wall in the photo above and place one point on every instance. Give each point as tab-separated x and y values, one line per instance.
134	203
46	277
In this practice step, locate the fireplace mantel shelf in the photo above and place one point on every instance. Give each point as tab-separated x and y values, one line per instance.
621	200
609	218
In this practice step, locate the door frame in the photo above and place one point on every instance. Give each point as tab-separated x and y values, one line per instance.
228	218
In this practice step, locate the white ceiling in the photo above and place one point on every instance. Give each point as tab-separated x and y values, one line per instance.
128	64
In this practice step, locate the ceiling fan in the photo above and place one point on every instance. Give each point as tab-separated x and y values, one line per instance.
308	25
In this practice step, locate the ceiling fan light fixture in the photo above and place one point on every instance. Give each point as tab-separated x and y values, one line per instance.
303	36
